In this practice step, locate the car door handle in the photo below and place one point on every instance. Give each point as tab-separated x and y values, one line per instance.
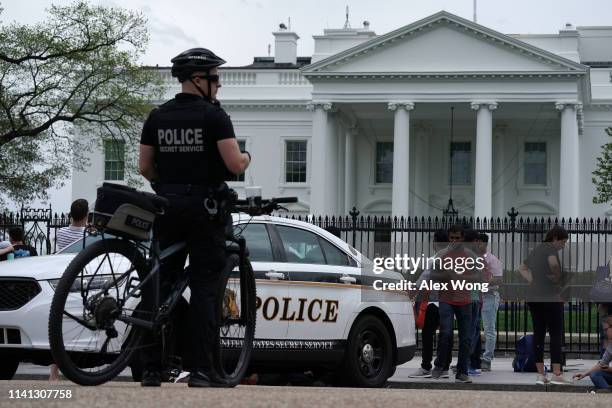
347	279
272	275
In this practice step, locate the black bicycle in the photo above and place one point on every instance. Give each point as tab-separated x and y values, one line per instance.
97	319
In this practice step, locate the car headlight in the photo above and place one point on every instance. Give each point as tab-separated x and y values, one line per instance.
92	283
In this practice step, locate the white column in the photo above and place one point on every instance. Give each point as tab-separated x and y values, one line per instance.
331	165
319	158
569	188
499	185
422	173
401	154
341	169
350	170
483	200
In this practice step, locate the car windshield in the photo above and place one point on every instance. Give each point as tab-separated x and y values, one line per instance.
77	246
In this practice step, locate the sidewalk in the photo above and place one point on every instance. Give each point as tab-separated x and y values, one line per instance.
500	378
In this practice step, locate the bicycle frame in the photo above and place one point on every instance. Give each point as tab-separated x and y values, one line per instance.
161	310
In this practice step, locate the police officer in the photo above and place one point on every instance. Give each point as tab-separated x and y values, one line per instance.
187	150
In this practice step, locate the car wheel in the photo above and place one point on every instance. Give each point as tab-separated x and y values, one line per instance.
8	367
368	360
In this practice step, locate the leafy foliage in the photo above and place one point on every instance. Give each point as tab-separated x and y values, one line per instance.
65	85
603	173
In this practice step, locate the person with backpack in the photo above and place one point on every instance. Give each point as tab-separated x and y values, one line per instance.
542	269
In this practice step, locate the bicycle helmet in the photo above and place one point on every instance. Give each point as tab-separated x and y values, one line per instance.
195	60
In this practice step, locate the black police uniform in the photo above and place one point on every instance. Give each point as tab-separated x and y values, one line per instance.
185	132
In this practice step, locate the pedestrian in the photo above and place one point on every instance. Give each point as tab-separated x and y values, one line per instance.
5	247
432	315
604	310
18	248
190	169
542	269
470	237
601	373
79	210
454	302
493	275
78	222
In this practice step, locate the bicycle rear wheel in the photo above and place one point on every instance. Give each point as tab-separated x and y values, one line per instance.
236	320
89	338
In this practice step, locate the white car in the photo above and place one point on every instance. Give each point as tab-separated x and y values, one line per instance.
316	309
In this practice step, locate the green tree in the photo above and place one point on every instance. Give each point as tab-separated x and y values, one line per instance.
603	173
65	86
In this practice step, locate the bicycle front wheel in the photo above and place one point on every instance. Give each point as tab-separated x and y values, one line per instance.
237	319
91	337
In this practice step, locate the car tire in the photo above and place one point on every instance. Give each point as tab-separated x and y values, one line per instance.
368	359
8	367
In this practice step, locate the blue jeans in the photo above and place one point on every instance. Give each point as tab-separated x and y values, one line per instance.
601	379
490	304
464	318
475	336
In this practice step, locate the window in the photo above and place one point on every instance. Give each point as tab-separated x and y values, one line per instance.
295	161
461	163
535	163
242	147
114	160
384	162
333	255
258	242
301	246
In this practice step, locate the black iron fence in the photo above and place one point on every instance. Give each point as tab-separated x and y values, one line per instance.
510	239
40	226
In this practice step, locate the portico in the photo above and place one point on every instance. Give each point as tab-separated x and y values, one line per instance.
391	97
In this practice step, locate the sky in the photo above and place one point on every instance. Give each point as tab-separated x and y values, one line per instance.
238	30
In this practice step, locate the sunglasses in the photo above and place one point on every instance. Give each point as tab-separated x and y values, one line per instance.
210	78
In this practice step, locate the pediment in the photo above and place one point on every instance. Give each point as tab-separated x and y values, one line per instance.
444	43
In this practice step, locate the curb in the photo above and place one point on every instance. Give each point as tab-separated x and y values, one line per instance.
45	377
488	387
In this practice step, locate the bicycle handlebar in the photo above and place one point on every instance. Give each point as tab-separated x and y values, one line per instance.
258	206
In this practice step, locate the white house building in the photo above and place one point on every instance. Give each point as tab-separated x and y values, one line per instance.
366	121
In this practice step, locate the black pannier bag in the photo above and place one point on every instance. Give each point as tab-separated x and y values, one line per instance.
124	211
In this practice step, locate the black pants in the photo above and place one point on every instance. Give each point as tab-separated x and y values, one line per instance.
185	221
547	316
432	321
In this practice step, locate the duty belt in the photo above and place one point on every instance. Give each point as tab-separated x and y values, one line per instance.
216	199
189	189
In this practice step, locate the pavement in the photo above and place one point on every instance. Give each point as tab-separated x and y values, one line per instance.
500	378
127	394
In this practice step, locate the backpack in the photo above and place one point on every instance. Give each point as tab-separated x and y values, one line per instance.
524	360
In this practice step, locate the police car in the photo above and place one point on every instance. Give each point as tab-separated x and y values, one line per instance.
316	307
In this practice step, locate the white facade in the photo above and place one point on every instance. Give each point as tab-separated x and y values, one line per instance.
515	98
